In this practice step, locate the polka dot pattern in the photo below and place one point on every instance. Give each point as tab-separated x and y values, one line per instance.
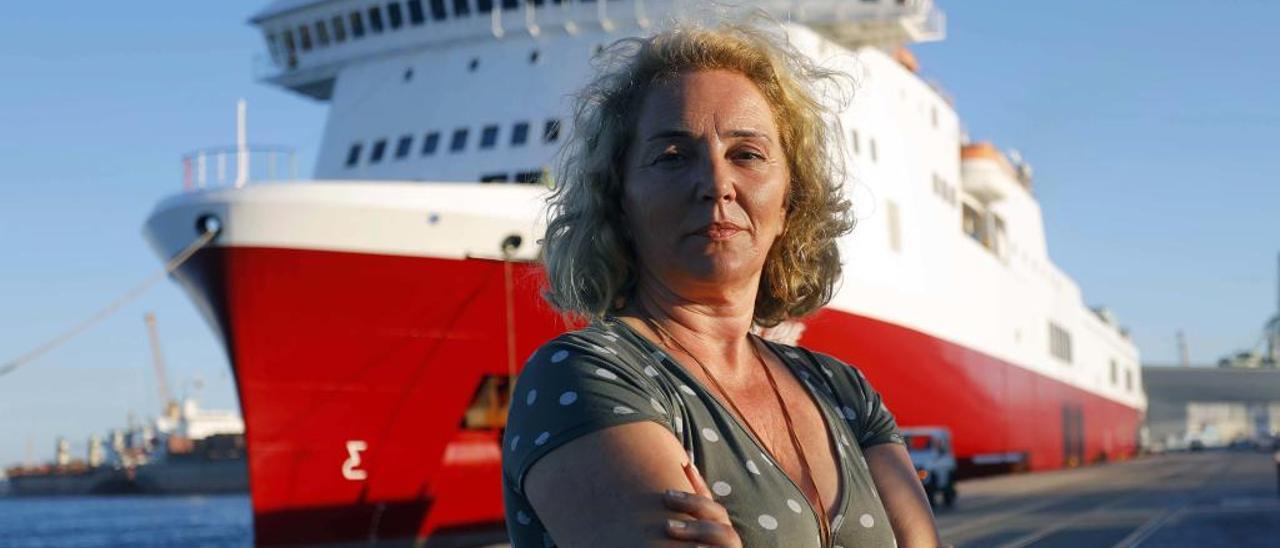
606	374
710	435
721	488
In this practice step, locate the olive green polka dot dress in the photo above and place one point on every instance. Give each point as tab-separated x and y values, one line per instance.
606	374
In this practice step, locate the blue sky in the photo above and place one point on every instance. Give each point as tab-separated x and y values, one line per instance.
1151	125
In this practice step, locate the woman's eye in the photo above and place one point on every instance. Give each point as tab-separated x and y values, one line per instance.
748	155
668	156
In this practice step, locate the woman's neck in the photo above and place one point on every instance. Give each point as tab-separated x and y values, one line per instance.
713	329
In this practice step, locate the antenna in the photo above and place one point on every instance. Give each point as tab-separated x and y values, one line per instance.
1184	358
242	146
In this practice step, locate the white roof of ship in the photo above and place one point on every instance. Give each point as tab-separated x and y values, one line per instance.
284	6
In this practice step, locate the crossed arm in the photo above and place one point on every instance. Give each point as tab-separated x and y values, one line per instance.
606	489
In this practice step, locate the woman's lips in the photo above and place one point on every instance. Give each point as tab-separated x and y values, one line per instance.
719	231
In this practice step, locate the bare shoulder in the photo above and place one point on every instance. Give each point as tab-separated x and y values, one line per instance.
605	488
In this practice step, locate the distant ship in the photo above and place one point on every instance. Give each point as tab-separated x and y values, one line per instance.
189	451
375	316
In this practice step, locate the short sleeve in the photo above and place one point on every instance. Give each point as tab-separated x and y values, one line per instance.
572	386
868	416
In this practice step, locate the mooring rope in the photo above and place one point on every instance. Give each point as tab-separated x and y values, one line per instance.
112	308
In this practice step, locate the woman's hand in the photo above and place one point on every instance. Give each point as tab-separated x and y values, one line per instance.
710	525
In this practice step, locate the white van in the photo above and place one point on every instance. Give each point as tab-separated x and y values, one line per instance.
935	462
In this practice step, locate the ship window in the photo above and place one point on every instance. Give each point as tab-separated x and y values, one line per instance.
304	36
520	134
895	236
353	154
375	19
290	49
273	47
1113	373
1059	342
529	177
459	140
430	143
339	30
1128	380
494	178
510	4
461	7
551	131
357	25
322	34
484	6
972	224
488	407
871	147
437	10
403	147
853	141
394	14
489	136
379	148
415	12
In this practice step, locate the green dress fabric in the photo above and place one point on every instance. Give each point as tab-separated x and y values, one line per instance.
607	374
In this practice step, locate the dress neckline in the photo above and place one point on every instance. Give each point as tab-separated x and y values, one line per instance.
842	470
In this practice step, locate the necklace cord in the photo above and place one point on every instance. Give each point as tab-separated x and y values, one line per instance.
823	526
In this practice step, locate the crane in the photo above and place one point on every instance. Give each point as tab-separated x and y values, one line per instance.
157	359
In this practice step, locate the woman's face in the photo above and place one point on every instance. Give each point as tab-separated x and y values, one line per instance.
705	181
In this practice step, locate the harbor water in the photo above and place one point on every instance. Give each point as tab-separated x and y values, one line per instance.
195	521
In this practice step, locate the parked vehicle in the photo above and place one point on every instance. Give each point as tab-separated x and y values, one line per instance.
935	462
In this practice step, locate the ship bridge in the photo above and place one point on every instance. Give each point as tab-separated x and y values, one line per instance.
309	42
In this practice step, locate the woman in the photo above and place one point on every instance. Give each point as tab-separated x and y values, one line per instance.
700	198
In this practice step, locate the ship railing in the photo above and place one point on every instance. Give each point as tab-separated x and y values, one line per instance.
849	21
228	166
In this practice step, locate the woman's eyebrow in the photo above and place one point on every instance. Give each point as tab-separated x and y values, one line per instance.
686	134
670	133
750	133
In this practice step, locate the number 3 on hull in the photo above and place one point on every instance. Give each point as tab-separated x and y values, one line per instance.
351	467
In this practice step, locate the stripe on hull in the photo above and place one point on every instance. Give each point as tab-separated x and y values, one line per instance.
351	365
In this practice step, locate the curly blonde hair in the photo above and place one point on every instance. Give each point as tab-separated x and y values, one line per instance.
587	252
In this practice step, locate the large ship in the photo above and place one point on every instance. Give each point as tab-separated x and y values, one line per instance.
375	315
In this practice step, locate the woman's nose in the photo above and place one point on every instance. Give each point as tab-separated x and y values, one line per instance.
717	183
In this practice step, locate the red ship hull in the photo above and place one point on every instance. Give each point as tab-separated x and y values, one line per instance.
330	348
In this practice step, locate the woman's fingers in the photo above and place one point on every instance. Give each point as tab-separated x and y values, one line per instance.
710	524
695	479
702	508
703	532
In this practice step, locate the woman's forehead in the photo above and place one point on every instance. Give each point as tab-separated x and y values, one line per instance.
725	102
